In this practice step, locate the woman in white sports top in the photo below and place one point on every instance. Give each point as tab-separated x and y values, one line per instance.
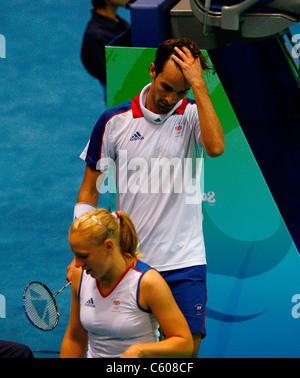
119	302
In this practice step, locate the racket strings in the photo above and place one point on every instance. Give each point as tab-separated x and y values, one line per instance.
40	306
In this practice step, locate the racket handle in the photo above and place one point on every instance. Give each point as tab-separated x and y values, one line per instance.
62	288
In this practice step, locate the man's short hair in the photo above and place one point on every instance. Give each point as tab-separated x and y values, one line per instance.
166	49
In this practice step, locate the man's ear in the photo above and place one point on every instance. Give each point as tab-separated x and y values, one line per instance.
152	71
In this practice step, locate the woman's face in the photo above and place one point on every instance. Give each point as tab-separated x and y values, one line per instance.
93	259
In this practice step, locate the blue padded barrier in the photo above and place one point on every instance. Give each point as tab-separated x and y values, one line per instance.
150	21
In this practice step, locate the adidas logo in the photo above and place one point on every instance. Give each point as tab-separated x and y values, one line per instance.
90	303
136	136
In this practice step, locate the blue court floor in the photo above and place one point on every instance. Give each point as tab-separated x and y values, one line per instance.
49	105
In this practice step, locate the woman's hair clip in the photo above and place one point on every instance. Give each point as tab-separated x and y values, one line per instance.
97	220
109	231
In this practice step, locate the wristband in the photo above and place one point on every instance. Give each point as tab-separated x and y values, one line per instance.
81	208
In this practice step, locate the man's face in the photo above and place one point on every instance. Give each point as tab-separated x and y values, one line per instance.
167	89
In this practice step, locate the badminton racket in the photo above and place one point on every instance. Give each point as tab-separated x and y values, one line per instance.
40	305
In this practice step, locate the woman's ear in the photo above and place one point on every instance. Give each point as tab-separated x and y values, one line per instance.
109	246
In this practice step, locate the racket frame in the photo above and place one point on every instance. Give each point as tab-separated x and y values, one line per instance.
53	299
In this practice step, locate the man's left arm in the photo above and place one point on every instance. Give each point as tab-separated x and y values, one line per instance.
212	136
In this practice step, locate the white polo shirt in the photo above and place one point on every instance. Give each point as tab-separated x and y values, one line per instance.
115	320
157	160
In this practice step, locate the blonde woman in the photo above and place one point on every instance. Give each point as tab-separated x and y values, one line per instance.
119	302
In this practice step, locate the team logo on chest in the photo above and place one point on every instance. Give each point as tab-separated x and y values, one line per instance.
178	129
116	304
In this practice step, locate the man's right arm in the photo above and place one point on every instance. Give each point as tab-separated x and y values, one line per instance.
89	192
87	200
